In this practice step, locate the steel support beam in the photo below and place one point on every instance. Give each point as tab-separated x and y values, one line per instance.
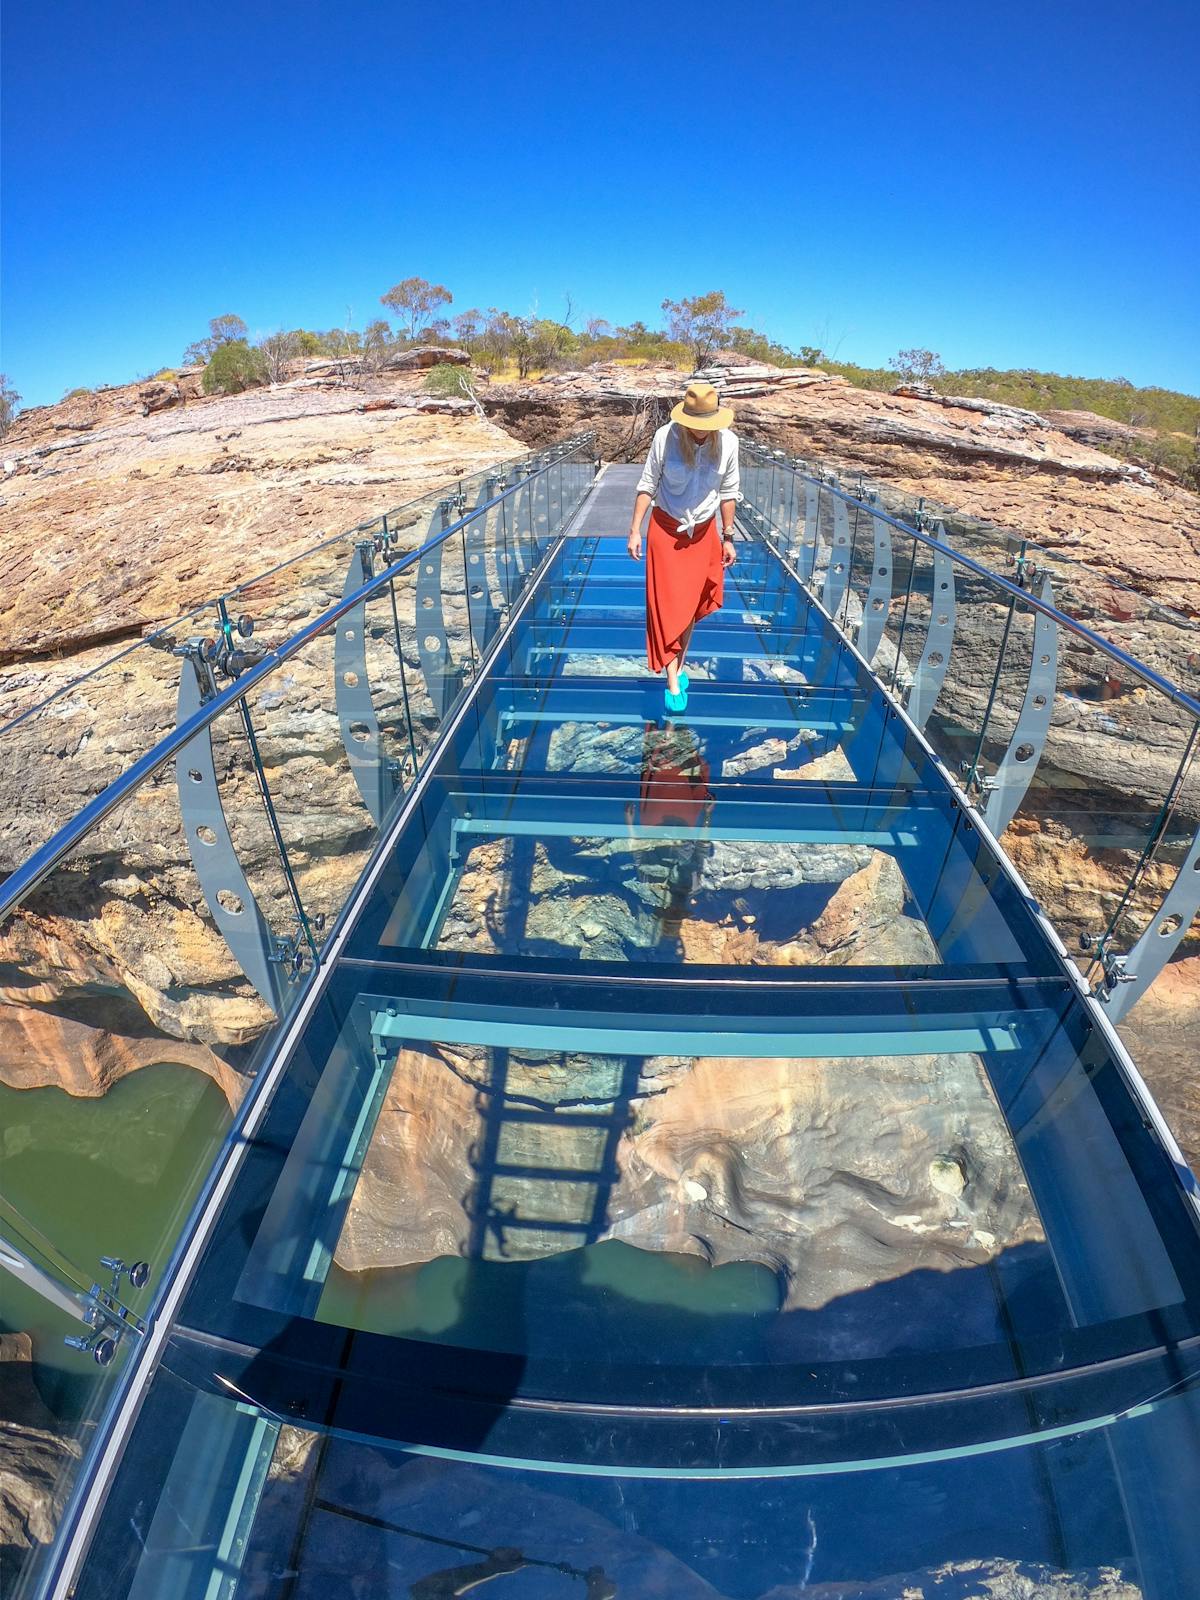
443	678
1165	933
226	890
837	573
1007	788
377	777
879	594
939	639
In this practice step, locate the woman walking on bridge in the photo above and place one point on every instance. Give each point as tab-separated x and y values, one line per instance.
691	476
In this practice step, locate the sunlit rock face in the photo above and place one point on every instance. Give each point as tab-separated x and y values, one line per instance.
114	520
836	1174
120	511
35	1455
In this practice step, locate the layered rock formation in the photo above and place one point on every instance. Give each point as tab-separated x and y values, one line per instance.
836	1174
112	521
35	1456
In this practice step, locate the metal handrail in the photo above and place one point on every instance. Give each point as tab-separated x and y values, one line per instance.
1148	675
43	861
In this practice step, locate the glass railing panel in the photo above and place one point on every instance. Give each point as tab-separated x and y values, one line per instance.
284	599
1088	774
73	724
127	1035
69	727
1145	628
53	1401
1138	622
141	977
340	731
901	655
973	691
332	774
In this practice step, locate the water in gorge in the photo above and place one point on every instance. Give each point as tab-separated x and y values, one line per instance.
110	1175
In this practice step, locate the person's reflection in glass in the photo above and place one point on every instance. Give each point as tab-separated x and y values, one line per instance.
674	793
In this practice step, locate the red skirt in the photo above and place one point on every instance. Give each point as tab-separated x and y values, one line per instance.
674	780
685	580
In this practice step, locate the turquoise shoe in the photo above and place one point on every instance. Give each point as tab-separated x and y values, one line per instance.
675	703
684	683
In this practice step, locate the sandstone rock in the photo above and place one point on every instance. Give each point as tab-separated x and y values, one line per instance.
34	1457
40	1048
75	576
125	919
803	1166
947	1177
160	397
1091	429
430	355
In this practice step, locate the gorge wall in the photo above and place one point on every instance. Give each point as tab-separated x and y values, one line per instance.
122	509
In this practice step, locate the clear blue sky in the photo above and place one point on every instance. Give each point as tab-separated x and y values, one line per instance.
1011	185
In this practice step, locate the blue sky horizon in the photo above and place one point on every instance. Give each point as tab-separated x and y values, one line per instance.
1011	189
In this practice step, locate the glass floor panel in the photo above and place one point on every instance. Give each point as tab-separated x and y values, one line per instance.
283	1509
771	730
846	1214
674	868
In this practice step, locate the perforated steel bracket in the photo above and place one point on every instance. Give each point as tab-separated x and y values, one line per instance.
443	678
539	512
812	511
837	573
879	593
227	893
1161	939
481	606
504	554
939	640
795	507
375	775
517	520
1007	788
780	499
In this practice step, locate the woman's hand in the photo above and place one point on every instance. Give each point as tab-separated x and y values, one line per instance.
728	553
634	544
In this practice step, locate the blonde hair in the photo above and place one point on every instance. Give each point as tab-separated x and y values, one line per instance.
689	449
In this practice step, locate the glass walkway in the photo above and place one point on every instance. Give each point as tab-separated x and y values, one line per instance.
693	1166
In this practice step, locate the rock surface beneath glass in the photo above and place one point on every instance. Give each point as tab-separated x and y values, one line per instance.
830	1172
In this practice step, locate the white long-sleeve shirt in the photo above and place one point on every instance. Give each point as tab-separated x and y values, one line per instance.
692	494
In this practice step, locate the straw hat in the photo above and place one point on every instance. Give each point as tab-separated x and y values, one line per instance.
700	408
